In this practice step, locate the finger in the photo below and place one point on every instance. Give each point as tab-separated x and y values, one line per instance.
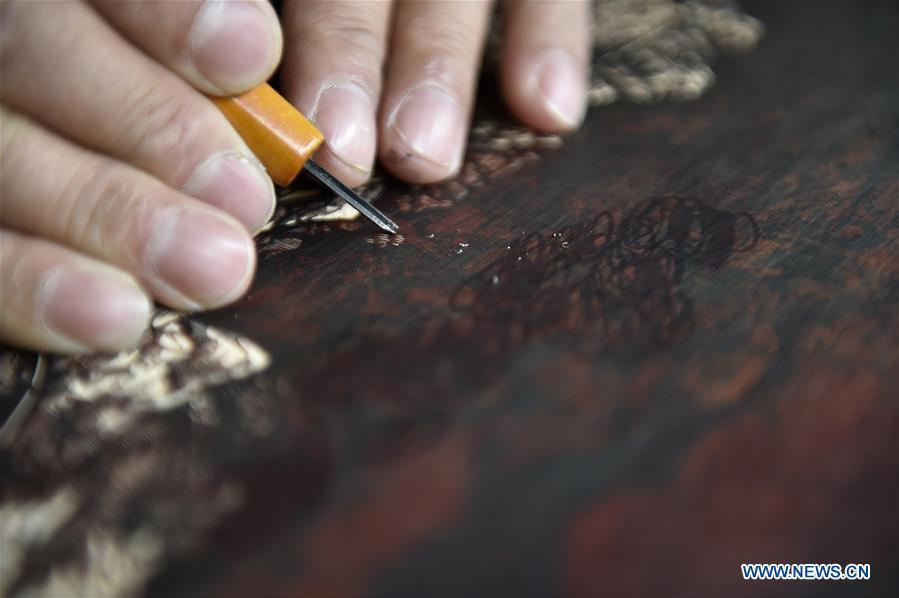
332	73
435	53
187	254
55	299
546	53
69	70
223	47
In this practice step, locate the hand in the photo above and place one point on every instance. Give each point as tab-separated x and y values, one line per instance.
416	116
119	180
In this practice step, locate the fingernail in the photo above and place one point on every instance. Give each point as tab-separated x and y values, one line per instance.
346	116
234	43
430	121
204	257
561	86
94	309
237	184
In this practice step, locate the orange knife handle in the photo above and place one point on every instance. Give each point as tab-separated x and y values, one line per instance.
281	137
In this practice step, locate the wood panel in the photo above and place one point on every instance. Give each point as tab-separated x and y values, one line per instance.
617	364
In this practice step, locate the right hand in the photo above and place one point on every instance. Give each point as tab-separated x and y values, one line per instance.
119	181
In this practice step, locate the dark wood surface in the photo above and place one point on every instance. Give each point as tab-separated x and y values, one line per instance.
622	368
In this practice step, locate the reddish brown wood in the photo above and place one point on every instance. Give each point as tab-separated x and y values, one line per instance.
693	364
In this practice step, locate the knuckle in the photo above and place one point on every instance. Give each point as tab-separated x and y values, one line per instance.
104	209
357	35
427	33
164	124
90	193
352	37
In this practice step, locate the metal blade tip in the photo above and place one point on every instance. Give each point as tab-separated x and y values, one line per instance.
372	213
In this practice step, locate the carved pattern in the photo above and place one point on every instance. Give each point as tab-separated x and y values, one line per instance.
107	429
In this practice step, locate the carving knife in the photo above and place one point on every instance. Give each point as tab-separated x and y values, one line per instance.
284	141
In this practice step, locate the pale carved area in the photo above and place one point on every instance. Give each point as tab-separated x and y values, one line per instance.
647	51
123	403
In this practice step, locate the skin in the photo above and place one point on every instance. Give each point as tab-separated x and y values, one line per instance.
121	184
